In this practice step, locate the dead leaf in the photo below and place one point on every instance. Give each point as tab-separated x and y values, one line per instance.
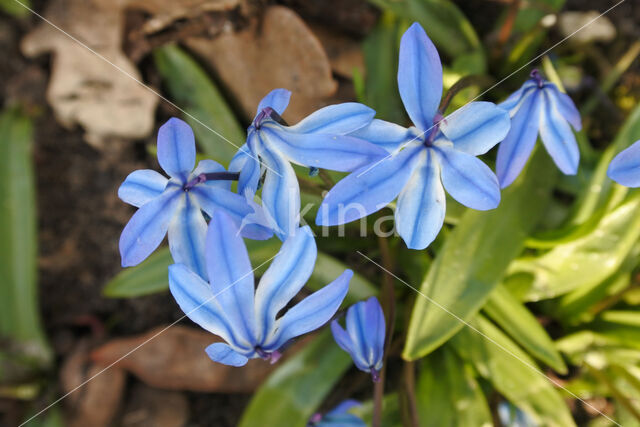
150	407
95	390
279	51
344	52
175	360
84	88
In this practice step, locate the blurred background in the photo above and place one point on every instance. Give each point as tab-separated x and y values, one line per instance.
76	120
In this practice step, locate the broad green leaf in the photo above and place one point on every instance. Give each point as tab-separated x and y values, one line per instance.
14	8
586	261
218	132
512	372
474	258
447	393
20	322
151	275
515	319
295	390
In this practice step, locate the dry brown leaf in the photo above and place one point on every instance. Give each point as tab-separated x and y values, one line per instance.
279	51
344	52
95	402
84	88
175	360
150	407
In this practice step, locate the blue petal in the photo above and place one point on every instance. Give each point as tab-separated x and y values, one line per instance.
421	205
384	134
515	150
419	76
310	313
373	320
278	99
514	99
286	275
558	138
196	300
336	119
147	227
343	340
187	232
368	189
468	179
248	165
141	186
341	420
281	194
566	107
476	127
176	149
333	152
230	275
344	406
210	166
625	167
222	353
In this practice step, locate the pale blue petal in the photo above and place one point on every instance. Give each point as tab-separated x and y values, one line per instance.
176	149
368	189
468	179
476	127
344	406
338	119
231	275
187	232
281	194
278	99
625	167
286	275
516	148
310	313
558	138
419	77
341	420
566	107
421	205
334	152
384	134
141	186
343	340
210	166
515	98
147	227
248	165
375	331
222	353
198	303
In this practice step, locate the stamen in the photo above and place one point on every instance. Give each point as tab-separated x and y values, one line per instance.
535	74
268	112
434	129
213	176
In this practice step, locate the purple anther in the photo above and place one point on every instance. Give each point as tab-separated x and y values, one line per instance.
535	74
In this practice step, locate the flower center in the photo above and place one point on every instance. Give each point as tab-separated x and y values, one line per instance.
272	357
268	113
433	132
213	176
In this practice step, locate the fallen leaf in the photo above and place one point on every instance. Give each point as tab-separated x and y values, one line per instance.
279	51
150	407
174	359
344	52
84	88
95	389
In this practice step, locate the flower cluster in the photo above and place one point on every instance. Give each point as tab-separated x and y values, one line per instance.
212	279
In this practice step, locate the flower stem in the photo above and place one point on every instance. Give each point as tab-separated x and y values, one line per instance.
463	83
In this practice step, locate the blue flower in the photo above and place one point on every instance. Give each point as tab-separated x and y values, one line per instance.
248	320
364	337
338	417
437	151
625	167
317	141
176	204
538	107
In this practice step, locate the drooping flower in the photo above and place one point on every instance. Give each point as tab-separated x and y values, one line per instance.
538	107
364	337
436	151
318	141
176	204
248	320
625	167
338	416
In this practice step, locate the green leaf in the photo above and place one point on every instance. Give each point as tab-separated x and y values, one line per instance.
474	258
514	318
218	132
586	261
151	275
390	411
295	390
20	321
448	393
511	371
14	8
